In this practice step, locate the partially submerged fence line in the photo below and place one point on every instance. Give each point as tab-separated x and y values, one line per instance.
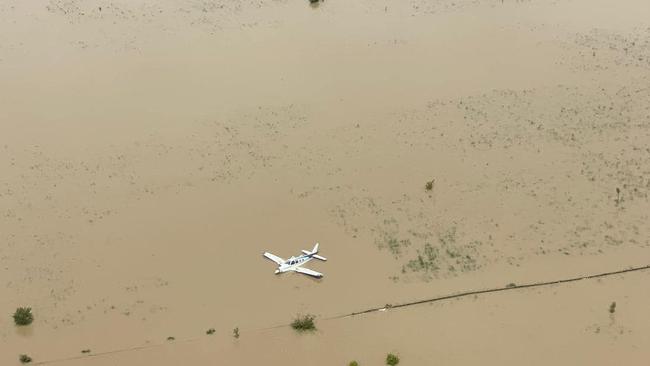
490	290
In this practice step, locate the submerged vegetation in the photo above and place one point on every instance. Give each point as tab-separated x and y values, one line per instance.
23	316
395	245
446	255
425	261
304	323
388	238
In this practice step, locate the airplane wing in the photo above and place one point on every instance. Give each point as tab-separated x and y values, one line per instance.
309	272
274	258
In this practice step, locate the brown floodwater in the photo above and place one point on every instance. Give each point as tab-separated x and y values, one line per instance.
152	150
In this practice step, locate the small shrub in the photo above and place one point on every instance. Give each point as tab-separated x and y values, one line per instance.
210	331
304	323
429	185
353	363
392	359
23	316
85	351
25	359
511	285
171	339
612	307
235	332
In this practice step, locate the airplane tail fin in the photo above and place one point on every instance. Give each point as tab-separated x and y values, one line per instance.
314	251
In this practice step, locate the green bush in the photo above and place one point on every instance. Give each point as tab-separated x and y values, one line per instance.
235	332
210	331
304	323
353	363
392	359
25	359
23	316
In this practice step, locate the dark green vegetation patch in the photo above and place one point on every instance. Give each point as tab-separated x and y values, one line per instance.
304	323
23	316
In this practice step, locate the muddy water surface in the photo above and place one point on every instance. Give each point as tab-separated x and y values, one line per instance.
151	151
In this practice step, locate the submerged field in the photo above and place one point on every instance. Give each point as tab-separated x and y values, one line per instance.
151	151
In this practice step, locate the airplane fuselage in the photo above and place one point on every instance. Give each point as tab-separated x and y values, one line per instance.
294	262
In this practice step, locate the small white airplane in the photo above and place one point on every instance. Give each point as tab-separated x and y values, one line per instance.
295	263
